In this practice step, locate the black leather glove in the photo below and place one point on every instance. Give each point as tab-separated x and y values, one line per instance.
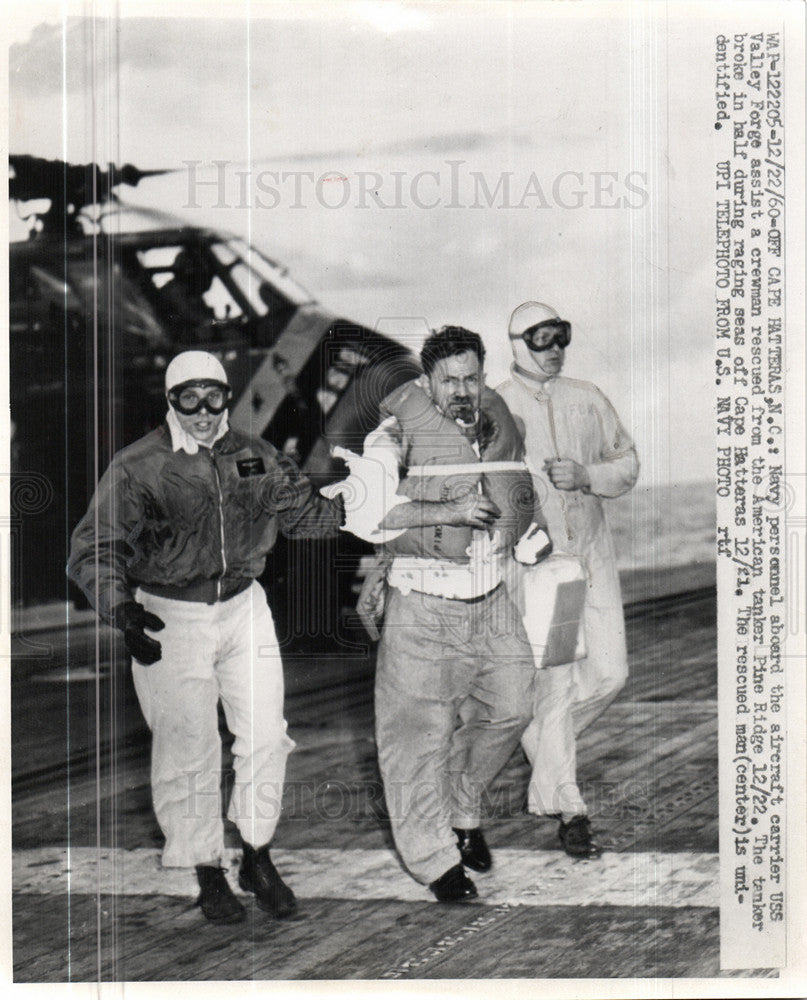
132	618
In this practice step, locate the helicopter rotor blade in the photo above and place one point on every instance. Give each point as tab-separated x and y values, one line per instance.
78	184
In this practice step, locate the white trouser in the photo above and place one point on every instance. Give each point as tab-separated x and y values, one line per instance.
224	651
567	700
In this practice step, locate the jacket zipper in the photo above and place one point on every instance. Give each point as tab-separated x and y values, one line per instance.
221	525
551	415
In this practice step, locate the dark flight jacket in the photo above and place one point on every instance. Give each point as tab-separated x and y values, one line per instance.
192	527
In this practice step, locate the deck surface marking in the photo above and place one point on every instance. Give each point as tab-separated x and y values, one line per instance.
519	878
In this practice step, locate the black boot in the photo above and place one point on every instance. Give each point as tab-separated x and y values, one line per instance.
473	849
260	876
453	886
217	900
576	838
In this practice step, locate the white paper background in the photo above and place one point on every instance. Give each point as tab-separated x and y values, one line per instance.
522	88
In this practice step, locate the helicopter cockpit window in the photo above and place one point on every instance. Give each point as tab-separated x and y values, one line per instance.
244	278
225	253
189	291
159	263
218	298
267	272
218	289
271	299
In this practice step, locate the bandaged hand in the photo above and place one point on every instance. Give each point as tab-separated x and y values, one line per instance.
369	493
533	546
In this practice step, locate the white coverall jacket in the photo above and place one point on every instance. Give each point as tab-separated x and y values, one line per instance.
571	419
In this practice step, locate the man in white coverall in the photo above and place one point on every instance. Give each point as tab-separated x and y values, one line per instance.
578	453
172	543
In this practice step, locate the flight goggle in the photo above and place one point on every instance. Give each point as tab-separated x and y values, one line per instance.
546	334
189	399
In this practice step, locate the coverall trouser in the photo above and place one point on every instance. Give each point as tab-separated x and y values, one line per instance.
569	698
226	651
453	695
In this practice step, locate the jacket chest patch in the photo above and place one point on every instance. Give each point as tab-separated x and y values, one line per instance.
250	467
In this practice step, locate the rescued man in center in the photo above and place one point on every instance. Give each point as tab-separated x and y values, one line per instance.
455	670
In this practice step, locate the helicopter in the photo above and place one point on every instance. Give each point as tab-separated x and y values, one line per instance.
102	295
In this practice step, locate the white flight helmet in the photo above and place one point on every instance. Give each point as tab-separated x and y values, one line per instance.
194	366
535	330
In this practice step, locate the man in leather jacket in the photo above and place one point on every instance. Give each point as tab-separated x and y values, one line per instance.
168	552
